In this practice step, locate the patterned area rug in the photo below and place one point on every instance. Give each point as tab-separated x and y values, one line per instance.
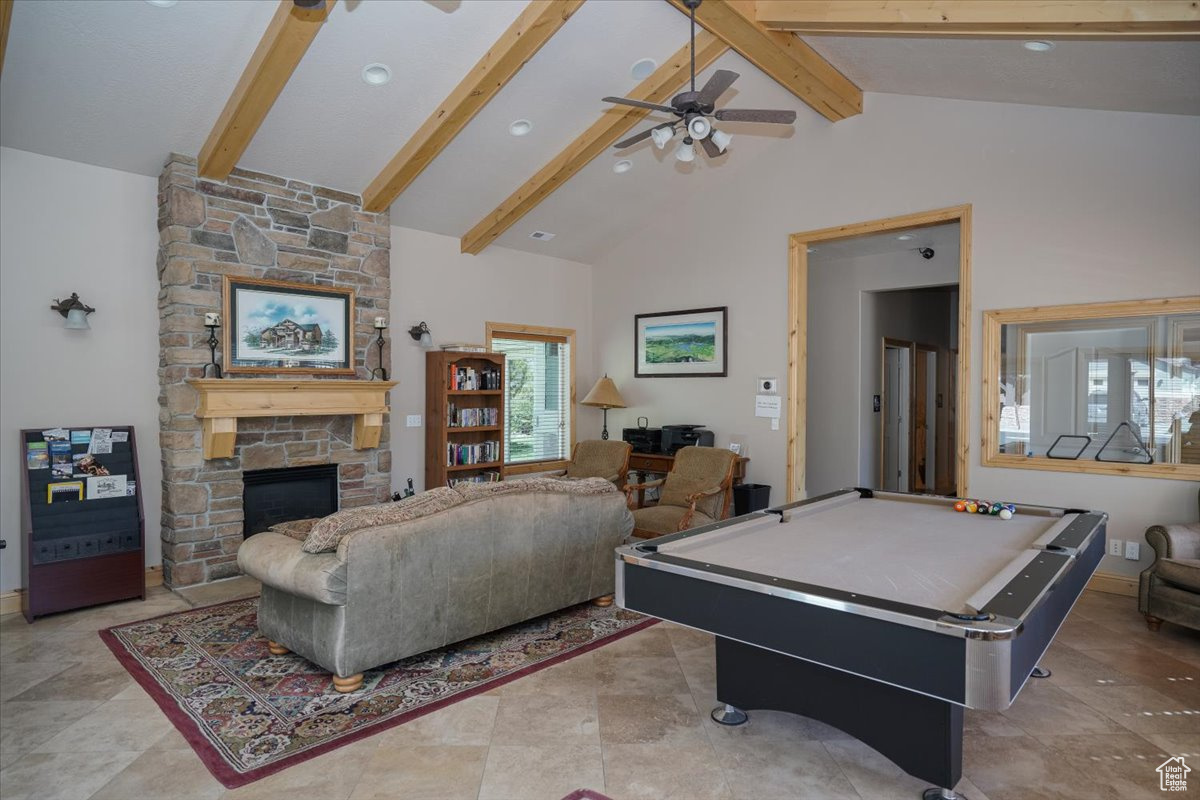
248	714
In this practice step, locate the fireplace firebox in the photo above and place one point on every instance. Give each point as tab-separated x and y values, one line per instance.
272	496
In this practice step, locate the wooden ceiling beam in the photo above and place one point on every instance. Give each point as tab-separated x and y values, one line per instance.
785	58
6	9
284	43
540	20
666	81
1096	19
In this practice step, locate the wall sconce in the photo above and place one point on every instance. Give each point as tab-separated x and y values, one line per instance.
75	310
420	333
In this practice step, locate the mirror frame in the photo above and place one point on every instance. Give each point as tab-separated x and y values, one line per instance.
1034	315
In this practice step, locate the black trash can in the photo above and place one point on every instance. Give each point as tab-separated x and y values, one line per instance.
749	497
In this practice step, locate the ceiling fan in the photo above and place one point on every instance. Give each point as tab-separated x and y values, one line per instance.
695	112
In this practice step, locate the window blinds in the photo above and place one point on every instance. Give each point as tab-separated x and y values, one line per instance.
537	414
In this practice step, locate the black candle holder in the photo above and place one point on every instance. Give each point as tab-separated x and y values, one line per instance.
379	372
213	341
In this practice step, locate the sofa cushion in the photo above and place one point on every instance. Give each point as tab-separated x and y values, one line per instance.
327	533
584	486
1182	572
280	562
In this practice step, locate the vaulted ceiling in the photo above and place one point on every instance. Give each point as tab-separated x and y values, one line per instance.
121	83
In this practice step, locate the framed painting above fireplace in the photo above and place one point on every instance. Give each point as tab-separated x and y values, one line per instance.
279	327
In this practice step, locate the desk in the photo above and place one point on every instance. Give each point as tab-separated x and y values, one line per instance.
661	464
882	614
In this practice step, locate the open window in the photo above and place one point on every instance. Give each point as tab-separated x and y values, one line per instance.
1109	388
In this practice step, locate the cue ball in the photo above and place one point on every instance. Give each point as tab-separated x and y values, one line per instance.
1005	514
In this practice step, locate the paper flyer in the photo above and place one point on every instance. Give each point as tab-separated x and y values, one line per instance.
120	436
105	486
56	435
81	437
101	441
37	456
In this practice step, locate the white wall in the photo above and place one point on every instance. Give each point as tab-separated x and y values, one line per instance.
455	294
843	433
70	227
1070	206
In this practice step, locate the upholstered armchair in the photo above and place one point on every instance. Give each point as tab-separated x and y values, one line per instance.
1169	588
696	491
599	458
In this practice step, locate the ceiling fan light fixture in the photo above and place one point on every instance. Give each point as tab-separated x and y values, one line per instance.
699	127
686	152
661	136
721	139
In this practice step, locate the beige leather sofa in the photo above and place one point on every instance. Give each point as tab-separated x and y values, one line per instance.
452	563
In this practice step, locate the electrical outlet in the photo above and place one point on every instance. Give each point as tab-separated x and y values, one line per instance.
1114	548
1133	551
413	421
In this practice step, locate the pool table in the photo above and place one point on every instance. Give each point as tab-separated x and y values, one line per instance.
880	613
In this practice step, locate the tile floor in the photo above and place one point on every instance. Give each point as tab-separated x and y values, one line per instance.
630	720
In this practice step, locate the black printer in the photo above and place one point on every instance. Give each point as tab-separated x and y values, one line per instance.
677	436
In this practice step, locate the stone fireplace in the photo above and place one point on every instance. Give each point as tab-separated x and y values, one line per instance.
256	226
271	496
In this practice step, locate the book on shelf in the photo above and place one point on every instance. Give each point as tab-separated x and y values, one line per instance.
472	417
464	347
469	379
460	455
488	476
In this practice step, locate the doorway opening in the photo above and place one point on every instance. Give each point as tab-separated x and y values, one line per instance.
878	347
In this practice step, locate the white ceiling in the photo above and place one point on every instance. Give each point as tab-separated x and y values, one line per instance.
121	83
1155	77
941	238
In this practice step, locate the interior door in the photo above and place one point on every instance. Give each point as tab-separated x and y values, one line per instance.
895	404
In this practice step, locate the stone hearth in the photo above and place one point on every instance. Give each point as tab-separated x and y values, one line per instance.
255	226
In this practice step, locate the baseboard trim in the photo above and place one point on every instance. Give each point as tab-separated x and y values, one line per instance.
1111	583
10	602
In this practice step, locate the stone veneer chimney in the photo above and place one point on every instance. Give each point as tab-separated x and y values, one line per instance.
256	226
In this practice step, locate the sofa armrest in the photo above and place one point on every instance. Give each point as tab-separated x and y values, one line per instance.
1174	541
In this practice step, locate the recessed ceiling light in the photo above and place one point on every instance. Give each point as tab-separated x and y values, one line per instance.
1038	46
643	69
904	237
542	235
376	74
162	3
520	127
622	166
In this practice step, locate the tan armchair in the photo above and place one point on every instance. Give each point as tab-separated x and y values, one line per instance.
599	458
1169	589
697	491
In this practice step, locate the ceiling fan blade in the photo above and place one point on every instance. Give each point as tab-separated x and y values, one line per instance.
721	80
625	101
632	140
640	136
755	115
710	147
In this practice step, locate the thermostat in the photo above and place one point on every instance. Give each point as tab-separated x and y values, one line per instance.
767	386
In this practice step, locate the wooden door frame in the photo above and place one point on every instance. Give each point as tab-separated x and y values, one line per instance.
798	332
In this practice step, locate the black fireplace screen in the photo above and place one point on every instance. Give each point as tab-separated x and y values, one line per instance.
280	495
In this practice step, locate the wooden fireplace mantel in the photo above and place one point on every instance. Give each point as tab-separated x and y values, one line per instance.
223	401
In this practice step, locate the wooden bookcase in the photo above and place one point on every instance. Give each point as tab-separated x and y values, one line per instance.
84	552
444	405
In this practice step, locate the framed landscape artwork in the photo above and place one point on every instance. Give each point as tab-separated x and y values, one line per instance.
272	326
681	344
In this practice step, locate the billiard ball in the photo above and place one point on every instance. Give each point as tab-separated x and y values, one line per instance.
972	507
984	506
1005	514
960	505
996	509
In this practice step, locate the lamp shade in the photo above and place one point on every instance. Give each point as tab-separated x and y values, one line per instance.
604	395
77	320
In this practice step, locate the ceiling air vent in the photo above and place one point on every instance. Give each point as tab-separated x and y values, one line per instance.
543	235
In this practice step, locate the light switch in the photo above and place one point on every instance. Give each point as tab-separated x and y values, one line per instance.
413	421
774	423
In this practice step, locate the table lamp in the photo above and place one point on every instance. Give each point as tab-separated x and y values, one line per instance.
604	395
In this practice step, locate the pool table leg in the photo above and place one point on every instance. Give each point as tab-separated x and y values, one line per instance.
728	715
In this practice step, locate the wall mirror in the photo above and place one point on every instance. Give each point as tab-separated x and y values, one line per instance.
1110	388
